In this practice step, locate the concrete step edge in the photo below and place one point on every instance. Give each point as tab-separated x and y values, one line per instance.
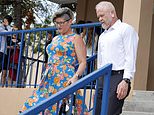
139	101
141	92
137	113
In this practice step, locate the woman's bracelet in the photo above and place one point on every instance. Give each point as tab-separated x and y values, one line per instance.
77	75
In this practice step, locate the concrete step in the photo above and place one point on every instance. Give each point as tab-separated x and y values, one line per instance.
143	95
136	113
139	105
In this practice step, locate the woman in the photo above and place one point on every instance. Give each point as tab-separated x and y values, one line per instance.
62	54
89	38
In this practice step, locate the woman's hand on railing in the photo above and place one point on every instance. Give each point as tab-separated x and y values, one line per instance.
72	80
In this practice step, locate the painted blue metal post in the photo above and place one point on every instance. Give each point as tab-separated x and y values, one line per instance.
105	94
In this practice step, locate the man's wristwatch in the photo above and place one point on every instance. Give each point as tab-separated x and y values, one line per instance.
126	80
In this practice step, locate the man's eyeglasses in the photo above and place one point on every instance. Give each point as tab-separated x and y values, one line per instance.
61	23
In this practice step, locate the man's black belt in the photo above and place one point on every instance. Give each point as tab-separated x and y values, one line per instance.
115	72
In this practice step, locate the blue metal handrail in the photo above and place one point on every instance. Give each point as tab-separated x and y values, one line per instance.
104	71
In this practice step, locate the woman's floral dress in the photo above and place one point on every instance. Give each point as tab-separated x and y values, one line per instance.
61	61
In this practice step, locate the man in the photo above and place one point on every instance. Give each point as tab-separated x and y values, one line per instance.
117	45
5	27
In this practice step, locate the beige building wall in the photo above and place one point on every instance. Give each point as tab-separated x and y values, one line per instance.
150	82
139	14
12	99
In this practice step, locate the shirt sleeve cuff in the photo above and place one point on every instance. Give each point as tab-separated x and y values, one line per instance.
128	75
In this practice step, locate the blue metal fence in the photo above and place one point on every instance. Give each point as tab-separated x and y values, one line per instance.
102	72
31	55
30	67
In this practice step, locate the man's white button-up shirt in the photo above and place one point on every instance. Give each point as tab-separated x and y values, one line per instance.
118	45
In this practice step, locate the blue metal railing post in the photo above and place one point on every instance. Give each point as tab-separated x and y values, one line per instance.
105	96
18	83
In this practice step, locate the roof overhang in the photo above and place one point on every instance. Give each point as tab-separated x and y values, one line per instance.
64	1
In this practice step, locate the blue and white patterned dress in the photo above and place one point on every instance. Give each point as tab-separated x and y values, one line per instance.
61	67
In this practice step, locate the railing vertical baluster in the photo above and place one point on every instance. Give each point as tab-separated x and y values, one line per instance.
105	93
57	109
19	61
25	57
96	93
91	87
37	67
71	105
83	104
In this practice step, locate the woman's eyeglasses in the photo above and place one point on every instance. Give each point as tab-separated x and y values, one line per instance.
61	23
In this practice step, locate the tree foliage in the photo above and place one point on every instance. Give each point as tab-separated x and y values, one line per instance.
27	12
